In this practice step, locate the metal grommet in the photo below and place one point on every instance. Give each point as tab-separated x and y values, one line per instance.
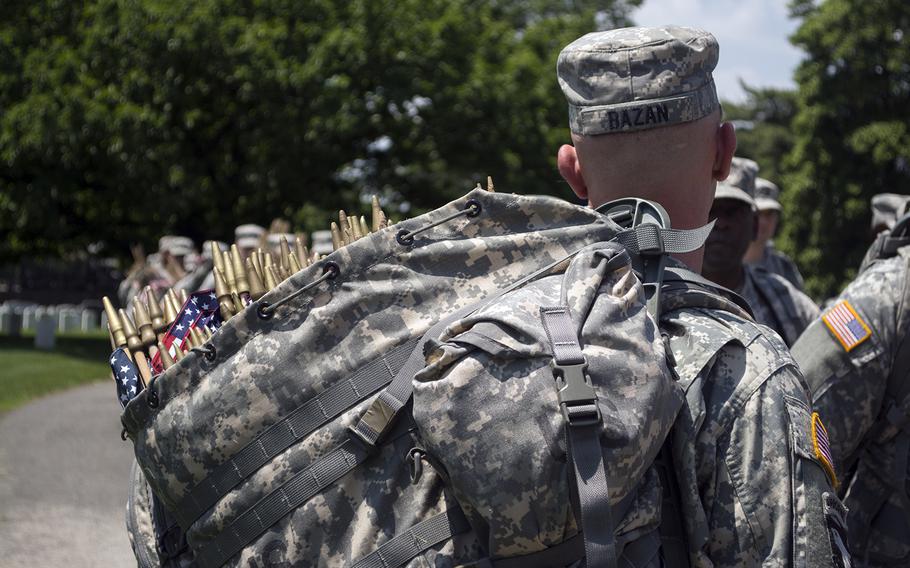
474	206
332	270
404	238
264	311
152	397
210	354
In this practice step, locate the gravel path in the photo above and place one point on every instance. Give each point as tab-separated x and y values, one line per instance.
63	481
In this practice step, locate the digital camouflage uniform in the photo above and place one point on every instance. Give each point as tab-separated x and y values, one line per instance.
777	303
776	262
847	356
752	491
773	260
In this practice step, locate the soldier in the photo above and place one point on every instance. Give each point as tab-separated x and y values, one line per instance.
249	237
762	251
856	358
774	301
646	122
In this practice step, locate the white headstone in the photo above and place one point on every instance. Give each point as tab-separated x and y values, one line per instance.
6	321
28	317
68	320
45	331
89	320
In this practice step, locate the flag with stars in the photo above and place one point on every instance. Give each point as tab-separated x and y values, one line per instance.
846	325
199	310
125	375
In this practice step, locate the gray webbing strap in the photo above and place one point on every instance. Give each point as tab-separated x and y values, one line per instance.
649	238
291	494
422	536
389	403
583	426
299	424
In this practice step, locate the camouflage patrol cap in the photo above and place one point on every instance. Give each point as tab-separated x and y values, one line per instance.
740	184
638	78
766	195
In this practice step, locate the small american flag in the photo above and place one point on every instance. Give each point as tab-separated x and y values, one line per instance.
199	310
846	325
125	375
823	447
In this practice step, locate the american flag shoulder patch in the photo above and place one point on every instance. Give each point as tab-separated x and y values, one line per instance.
846	325
823	447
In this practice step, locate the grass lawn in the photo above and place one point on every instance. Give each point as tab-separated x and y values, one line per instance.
27	373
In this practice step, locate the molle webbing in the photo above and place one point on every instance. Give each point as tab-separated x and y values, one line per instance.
313	414
414	541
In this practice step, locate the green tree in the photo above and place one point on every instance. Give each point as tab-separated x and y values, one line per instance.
126	119
851	131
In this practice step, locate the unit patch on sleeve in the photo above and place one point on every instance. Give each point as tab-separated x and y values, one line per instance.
846	325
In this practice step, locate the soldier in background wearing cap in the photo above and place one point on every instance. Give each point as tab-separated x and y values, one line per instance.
762	251
159	270
775	302
646	123
248	238
856	360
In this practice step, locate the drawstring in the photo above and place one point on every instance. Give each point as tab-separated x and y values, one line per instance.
329	272
472	208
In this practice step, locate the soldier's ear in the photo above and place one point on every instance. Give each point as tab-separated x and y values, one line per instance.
725	147
570	170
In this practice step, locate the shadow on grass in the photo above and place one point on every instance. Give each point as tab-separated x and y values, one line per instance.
92	348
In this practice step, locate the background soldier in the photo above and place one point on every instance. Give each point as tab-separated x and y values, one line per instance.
856	359
775	302
762	251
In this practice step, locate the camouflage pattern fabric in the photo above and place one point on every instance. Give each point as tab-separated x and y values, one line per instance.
776	303
849	391
752	489
203	411
638	78
776	262
487	409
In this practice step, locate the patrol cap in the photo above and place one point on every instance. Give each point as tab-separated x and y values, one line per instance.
177	246
638	78
322	242
767	195
740	184
248	236
887	208
207	248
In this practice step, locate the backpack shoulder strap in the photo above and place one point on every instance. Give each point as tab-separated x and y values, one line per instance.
887	243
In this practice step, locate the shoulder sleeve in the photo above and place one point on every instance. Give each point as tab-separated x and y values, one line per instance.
761	483
846	354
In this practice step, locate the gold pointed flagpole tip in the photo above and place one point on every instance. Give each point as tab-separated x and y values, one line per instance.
490	186
113	322
257	289
166	360
240	275
337	243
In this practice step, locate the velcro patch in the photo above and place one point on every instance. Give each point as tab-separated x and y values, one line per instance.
836	521
823	447
846	325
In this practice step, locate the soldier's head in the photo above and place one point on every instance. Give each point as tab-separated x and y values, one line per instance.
645	119
766	202
734	212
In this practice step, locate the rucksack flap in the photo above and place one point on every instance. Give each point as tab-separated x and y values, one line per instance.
486	406
248	442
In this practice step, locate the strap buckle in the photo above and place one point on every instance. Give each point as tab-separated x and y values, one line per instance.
577	397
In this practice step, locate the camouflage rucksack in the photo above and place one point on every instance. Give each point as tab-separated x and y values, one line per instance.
542	395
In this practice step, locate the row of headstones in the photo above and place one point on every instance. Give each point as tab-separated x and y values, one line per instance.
49	319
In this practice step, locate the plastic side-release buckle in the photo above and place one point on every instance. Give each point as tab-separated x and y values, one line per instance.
577	397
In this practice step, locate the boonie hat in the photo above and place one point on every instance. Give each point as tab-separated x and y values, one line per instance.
177	246
638	78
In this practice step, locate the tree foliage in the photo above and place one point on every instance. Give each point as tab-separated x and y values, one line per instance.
125	119
851	131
